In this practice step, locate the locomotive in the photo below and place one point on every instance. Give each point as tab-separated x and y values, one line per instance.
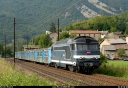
79	54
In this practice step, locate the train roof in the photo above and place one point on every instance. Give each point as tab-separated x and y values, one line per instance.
80	39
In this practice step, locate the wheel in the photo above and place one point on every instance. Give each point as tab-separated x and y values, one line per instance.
89	71
55	65
71	68
78	69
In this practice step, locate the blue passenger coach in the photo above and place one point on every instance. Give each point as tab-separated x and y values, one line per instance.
39	55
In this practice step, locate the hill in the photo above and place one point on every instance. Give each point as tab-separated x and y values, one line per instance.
35	16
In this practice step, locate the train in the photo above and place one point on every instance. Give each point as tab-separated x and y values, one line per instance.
79	54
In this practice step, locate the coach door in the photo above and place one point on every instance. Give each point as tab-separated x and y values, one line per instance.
45	56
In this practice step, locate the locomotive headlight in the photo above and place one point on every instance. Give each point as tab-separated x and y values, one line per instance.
96	57
80	57
74	63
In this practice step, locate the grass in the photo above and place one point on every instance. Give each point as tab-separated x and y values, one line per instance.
117	68
9	76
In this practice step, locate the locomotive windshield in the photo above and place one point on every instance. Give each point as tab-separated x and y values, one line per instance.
83	46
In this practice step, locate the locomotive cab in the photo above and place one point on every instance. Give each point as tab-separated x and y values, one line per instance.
86	53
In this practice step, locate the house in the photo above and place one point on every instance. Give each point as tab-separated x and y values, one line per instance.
92	33
109	47
53	37
116	35
126	39
30	47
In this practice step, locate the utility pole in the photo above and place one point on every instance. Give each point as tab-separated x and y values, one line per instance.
2	49
14	40
5	47
27	42
58	29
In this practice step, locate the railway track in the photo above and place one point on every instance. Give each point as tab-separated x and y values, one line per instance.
64	77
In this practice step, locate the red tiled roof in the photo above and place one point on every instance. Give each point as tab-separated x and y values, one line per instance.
84	31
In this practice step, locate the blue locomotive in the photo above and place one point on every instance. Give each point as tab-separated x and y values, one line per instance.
76	54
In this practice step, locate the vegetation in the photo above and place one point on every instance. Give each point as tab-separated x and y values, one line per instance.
52	27
121	52
34	27
9	76
105	23
45	41
117	68
42	40
103	59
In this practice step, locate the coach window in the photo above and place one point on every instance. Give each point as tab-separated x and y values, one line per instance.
45	53
37	53
40	53
58	48
81	47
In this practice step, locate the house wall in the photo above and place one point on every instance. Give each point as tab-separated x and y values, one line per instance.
126	51
110	54
127	40
103	43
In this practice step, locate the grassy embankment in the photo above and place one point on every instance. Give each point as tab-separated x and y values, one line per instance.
9	76
117	68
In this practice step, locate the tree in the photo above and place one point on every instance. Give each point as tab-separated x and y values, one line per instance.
52	27
64	35
8	51
113	29
1	50
103	60
121	26
72	35
126	31
45	41
35	40
121	52
106	26
20	43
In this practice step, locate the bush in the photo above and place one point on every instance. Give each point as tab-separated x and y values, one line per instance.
111	71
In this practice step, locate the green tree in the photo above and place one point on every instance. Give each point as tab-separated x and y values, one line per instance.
8	51
52	27
103	59
72	35
45	41
64	35
126	31
121	26
121	52
98	26
106	26
1	50
35	40
20	43
113	29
